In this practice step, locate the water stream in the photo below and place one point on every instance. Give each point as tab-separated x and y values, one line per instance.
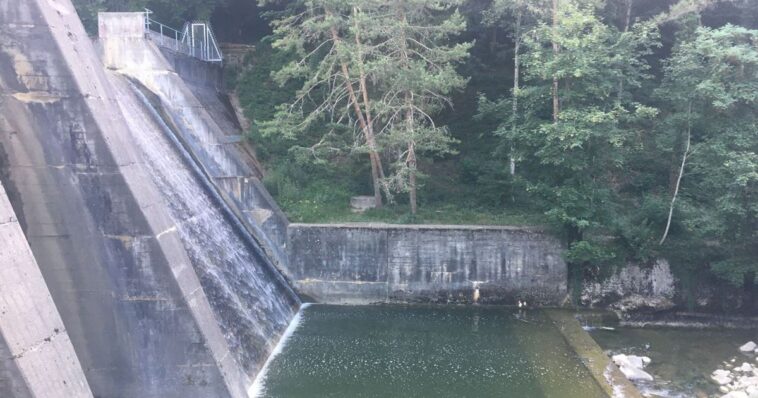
252	305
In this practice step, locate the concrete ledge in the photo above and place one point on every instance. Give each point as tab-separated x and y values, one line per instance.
343	292
602	369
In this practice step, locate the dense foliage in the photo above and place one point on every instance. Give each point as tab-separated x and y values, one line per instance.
171	12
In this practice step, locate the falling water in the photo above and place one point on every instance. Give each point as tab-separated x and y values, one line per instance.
252	305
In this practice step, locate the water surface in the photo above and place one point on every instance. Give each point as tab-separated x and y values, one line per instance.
426	351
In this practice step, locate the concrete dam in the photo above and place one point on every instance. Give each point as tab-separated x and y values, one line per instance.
140	254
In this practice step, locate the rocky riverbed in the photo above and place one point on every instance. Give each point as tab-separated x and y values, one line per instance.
682	360
738	377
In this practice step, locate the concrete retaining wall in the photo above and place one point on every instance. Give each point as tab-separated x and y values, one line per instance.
364	263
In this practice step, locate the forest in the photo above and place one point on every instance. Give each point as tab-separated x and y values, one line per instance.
627	127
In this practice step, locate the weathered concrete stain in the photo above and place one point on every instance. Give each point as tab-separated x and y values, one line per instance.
363	263
37	358
133	308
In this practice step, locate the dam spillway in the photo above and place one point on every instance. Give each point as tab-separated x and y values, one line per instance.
164	257
153	308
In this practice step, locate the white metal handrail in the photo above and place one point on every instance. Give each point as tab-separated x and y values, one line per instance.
196	39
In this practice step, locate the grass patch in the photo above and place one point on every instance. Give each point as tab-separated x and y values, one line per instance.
313	211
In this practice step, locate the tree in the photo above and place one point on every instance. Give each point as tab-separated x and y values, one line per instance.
711	94
335	80
171	12
578	121
384	67
496	14
418	64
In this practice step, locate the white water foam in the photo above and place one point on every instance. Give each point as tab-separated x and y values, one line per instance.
257	389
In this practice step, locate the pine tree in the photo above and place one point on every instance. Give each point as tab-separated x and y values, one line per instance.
331	65
418	57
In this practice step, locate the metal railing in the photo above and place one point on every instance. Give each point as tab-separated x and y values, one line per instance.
196	39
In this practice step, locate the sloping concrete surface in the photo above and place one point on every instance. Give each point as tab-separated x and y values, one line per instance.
251	304
188	89
135	311
37	358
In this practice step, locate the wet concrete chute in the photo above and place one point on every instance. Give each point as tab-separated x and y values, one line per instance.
141	255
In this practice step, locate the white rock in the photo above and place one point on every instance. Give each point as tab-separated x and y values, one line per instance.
721	377
735	394
743	383
745	367
646	360
724	389
636	361
634	374
748	347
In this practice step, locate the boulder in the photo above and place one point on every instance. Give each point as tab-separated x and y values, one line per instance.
745	382
745	367
359	204
631	366
721	377
748	347
635	374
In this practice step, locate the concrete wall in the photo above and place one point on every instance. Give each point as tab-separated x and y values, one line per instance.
119	273
363	263
37	358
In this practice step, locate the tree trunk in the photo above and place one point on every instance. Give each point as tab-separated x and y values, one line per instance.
556	102
376	162
412	178
627	22
411	158
681	172
516	67
362	86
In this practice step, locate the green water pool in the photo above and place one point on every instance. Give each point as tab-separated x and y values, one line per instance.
425	351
